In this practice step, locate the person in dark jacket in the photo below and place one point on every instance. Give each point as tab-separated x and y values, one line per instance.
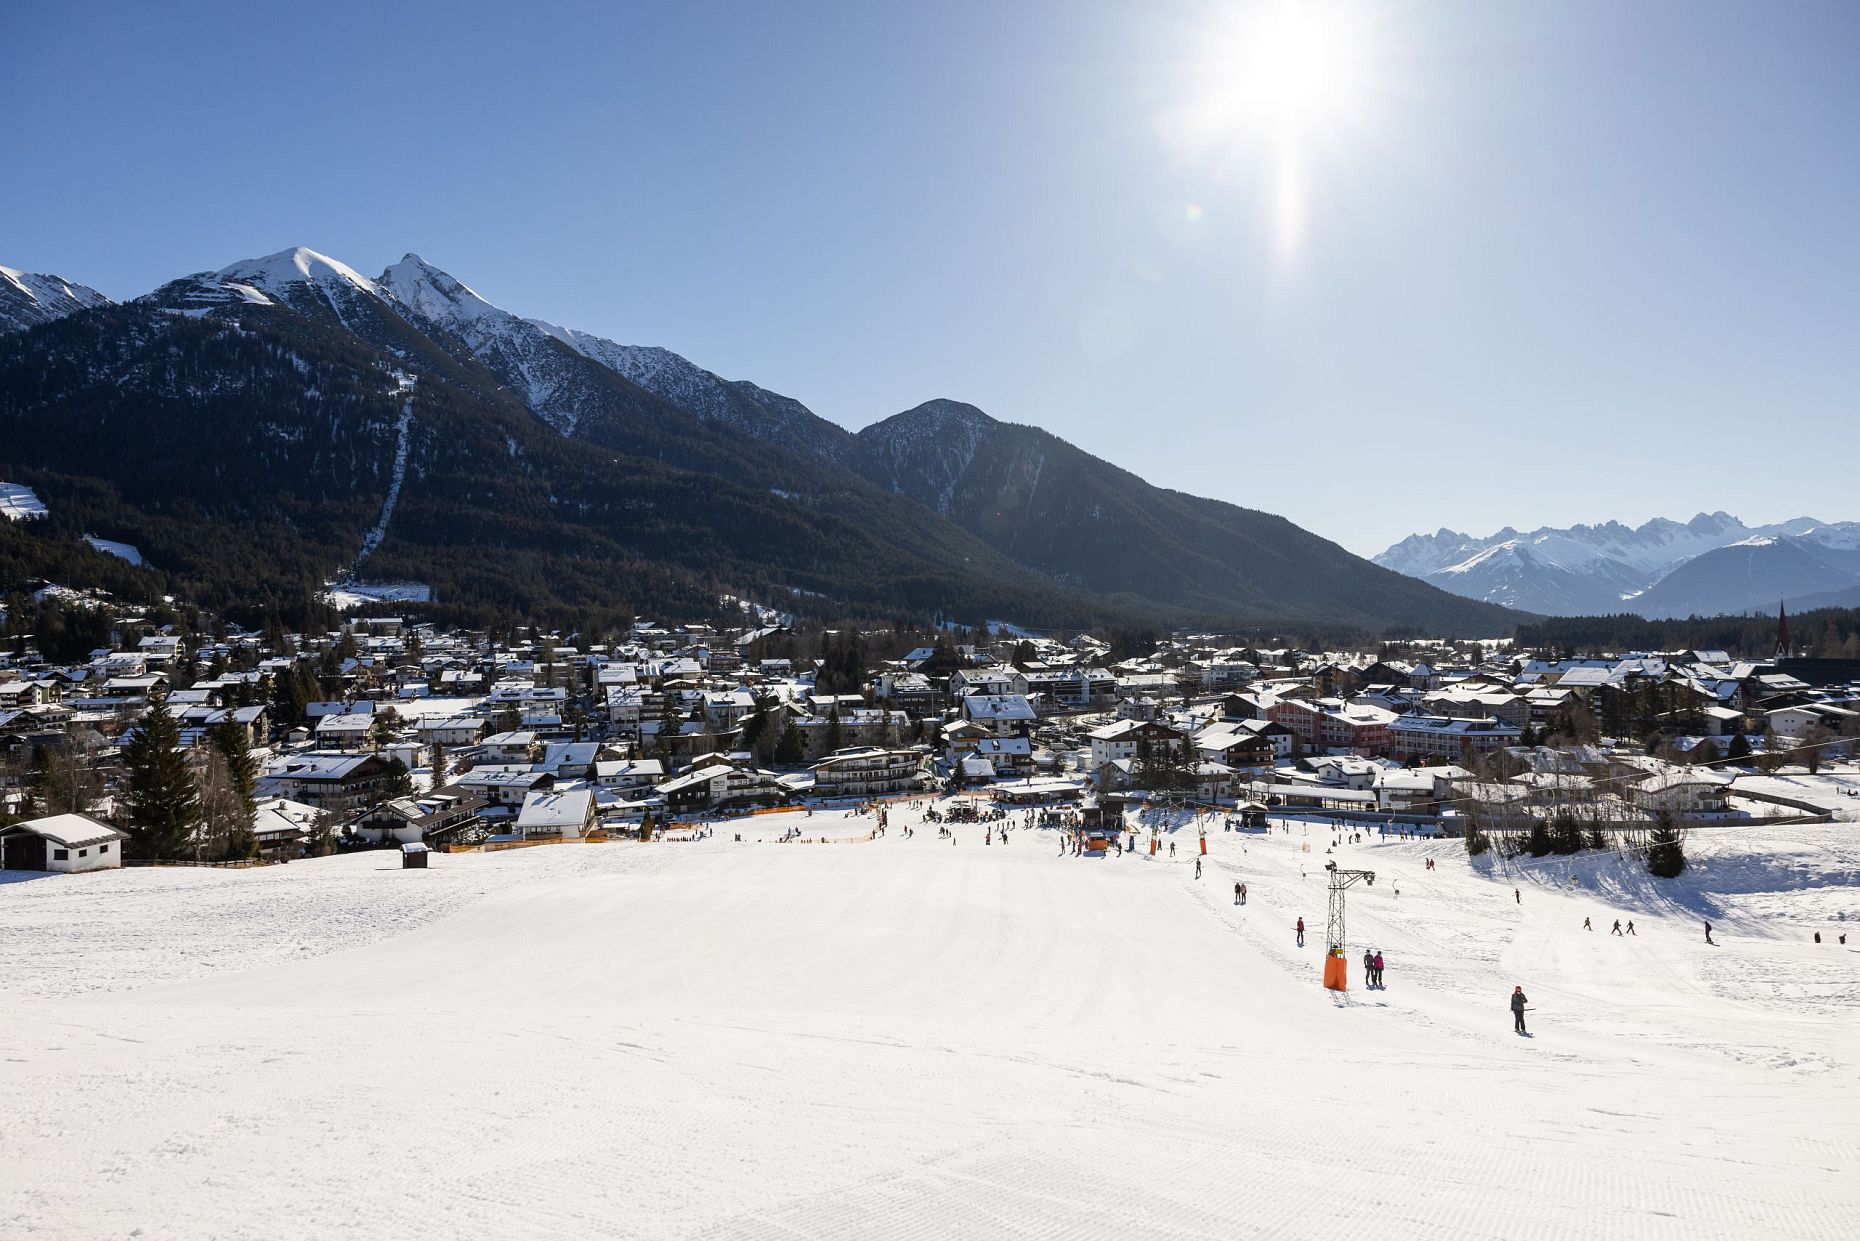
1301	932
1378	968
1517	1009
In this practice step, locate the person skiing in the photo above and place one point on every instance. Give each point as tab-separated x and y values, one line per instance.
1617	929
1517	1009
1301	932
1631	927
1516	896
1378	964
1243	901
1369	967
1708	934
1586	926
1236	893
1197	867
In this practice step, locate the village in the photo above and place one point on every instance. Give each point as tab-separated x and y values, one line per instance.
387	733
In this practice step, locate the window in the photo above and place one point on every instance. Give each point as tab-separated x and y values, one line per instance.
61	855
102	849
83	852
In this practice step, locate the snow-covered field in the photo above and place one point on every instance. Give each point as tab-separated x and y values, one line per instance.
913	1038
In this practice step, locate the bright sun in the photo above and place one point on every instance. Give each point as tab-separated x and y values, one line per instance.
1272	82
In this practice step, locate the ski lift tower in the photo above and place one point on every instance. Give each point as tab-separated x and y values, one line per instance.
1340	881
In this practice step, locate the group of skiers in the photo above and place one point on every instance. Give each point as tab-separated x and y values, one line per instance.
1372	968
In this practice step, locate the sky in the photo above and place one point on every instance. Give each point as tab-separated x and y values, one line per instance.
1379	267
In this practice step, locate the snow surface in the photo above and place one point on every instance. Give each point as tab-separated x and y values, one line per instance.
128	551
30	298
19	502
346	595
905	1038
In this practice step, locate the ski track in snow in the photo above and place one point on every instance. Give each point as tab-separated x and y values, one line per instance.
403	440
908	1038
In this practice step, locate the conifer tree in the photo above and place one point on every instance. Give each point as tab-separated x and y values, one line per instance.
1666	852
162	805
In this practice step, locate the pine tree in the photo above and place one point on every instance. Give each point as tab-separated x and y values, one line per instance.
1565	834
1537	844
1666	852
836	735
788	751
439	765
1739	750
162	806
398	781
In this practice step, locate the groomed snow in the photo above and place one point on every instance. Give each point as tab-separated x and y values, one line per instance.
908	1038
19	502
127	551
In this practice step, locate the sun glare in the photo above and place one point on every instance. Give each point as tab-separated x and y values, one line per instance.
1271	83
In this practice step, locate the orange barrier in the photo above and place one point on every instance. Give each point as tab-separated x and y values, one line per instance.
1336	973
1204	844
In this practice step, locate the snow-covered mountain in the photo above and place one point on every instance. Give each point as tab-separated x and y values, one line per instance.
30	298
1714	563
733	402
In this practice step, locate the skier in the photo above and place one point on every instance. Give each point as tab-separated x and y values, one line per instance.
1172	848
1818	937
1517	1009
1586	926
1378	968
1631	927
1301	932
1197	868
1516	897
1243	901
1708	934
1369	967
1236	894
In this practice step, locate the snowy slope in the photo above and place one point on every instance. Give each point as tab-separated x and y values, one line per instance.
28	299
1602	568
737	403
906	1037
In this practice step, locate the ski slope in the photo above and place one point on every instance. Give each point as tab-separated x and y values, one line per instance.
913	1038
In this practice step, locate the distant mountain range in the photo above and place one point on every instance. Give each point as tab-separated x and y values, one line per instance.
262	428
1711	565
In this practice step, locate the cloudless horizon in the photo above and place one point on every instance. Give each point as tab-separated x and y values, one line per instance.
1379	268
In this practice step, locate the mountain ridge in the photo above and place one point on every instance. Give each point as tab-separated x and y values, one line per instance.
941	508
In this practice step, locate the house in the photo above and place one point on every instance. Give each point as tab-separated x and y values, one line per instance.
458	730
1121	739
505	784
569	760
63	843
281	826
345	732
719	783
338	783
868	771
628	776
568	814
1685	791
414	820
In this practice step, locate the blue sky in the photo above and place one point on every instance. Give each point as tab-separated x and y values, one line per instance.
1544	263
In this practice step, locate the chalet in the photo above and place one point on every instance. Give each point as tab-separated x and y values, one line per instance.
718	785
568	814
454	731
865	772
1685	791
430	819
1008	756
338	783
1120	740
1006	715
628	776
63	843
281	826
506	784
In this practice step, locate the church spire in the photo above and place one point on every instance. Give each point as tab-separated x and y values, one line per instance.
1782	630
